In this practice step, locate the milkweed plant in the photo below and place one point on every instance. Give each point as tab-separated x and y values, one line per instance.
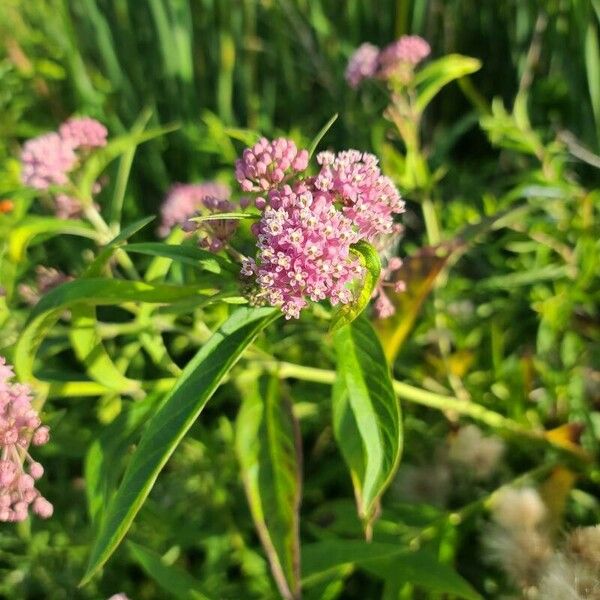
296	241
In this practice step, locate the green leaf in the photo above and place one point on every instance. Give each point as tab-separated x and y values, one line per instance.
95	292
122	178
369	258
317	139
130	230
366	415
438	73
267	445
171	579
230	216
424	570
104	458
388	561
170	423
22	235
190	255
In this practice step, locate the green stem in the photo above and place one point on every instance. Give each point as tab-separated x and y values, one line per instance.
409	393
432	226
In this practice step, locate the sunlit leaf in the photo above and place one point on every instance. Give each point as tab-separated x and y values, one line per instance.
366	415
176	414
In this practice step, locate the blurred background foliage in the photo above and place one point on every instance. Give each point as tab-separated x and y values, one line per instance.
520	310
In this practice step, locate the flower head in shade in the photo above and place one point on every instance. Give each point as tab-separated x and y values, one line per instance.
184	200
214	234
83	132
408	51
46	279
303	251
46	160
383	306
19	426
369	199
362	65
267	164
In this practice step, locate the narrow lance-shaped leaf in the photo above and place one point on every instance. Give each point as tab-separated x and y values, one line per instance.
170	423
268	448
366	415
317	139
173	580
106	454
438	73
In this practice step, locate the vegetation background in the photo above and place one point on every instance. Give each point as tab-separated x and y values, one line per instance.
520	308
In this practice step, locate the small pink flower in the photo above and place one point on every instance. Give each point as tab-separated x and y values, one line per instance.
303	251
267	164
369	199
408	51
83	132
184	200
19	426
46	160
362	64
383	306
214	235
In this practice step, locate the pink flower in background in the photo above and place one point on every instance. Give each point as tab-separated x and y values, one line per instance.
369	199
267	164
46	160
83	132
184	200
67	207
409	51
214	234
20	426
303	251
46	279
362	64
383	306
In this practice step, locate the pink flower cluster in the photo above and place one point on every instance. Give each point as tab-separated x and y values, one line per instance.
48	159
308	226
184	200
267	164
83	132
19	426
363	64
401	56
303	250
369	199
408	50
